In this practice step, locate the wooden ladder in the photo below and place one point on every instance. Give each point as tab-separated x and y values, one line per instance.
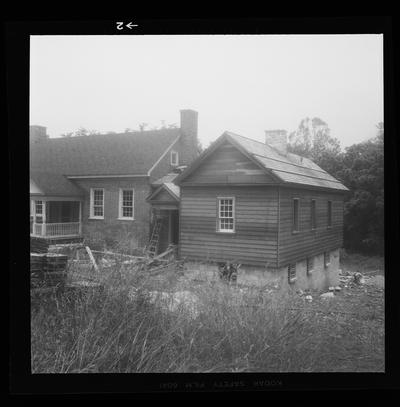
155	237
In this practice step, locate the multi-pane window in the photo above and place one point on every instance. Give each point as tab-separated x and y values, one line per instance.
38	211
174	158
292	273
126	204
313	214
39	207
226	215
97	203
329	209
295	226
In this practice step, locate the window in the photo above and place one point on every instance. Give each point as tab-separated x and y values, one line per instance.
174	158
310	265
38	211
327	259
226	215
96	203
313	214
126	204
329	214
295	215
292	273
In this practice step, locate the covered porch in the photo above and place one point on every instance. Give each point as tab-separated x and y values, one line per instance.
56	217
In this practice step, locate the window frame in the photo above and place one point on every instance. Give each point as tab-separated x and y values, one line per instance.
37	214
329	214
120	204
295	227
176	162
313	214
91	214
219	218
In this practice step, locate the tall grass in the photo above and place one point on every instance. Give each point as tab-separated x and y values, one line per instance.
234	331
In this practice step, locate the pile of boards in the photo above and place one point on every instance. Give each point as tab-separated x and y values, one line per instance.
48	270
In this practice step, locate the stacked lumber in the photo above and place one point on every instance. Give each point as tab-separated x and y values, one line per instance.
48	270
39	245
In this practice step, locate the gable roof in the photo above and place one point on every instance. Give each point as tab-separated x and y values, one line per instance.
102	154
171	189
285	169
134	153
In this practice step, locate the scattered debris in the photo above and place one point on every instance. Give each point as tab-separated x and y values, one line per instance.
228	271
89	252
358	278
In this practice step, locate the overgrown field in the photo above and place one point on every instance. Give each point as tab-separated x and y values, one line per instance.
232	329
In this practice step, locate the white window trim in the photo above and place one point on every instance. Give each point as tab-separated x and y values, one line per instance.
36	214
91	216
229	231
120	212
176	154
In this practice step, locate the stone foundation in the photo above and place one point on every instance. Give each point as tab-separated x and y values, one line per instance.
320	279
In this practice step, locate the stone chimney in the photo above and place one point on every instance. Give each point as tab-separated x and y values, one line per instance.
189	139
37	134
277	139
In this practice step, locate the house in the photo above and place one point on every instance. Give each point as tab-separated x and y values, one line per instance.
257	204
96	186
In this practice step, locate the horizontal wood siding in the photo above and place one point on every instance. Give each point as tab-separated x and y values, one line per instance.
256	225
307	242
227	165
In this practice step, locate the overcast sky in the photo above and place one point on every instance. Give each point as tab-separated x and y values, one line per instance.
242	83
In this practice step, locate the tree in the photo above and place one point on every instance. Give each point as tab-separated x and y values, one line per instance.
312	139
363	173
80	132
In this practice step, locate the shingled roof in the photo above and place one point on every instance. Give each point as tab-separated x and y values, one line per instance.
131	153
102	154
287	169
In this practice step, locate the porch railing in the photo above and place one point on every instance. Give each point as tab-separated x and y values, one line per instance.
57	229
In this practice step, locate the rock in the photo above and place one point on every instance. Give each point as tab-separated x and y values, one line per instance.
338	288
327	295
308	298
331	288
300	291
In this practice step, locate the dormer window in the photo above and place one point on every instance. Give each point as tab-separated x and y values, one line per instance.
174	158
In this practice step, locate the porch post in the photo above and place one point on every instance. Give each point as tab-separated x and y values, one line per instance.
80	217
44	203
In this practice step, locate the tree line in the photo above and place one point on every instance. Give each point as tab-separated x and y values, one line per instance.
360	168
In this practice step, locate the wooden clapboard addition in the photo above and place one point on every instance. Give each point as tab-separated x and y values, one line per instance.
282	208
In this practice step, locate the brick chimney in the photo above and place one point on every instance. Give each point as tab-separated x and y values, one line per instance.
277	139
189	139
37	134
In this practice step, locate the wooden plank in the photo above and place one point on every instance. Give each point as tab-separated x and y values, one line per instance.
93	261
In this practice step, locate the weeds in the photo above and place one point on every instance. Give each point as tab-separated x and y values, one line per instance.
234	331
